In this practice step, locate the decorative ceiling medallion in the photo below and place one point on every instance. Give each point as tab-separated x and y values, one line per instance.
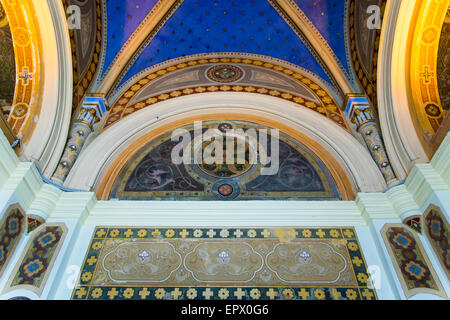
20	110
226	190
225	73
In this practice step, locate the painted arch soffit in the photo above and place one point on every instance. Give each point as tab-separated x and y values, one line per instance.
225	73
166	32
27	50
427	70
86	45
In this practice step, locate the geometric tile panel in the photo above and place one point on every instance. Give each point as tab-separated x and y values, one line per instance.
414	269
11	228
414	222
34	222
224	264
437	231
36	262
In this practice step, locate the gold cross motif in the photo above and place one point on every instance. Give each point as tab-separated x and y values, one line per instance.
176	293
144	293
357	261
112	293
101	233
81	292
128	233
335	294
426	74
266	233
238	233
91	260
184	233
348	233
303	294
239	293
208	293
25	76
211	233
367	294
272	294
320	233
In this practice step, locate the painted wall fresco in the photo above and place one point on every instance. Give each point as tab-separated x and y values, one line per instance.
224	263
152	174
411	263
12	226
7	65
224	26
437	231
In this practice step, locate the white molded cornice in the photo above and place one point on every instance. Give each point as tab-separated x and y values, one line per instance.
75	205
375	206
221	213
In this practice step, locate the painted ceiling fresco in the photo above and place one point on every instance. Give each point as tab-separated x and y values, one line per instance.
226	26
248	26
123	19
443	63
329	18
152	173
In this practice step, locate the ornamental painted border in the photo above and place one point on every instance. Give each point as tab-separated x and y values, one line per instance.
86	291
27	44
331	107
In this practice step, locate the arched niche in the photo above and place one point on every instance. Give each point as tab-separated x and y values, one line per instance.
411	116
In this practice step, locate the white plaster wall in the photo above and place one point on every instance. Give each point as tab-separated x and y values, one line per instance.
69	272
376	263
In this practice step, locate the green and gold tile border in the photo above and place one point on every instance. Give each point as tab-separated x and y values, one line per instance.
123	291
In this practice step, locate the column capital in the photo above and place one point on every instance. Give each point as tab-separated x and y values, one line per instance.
92	110
359	110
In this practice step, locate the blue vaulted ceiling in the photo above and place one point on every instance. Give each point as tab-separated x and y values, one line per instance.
214	26
123	17
328	17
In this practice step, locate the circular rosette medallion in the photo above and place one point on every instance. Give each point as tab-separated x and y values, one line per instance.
225	190
225	73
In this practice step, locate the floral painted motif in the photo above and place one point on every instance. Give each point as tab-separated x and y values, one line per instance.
38	257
